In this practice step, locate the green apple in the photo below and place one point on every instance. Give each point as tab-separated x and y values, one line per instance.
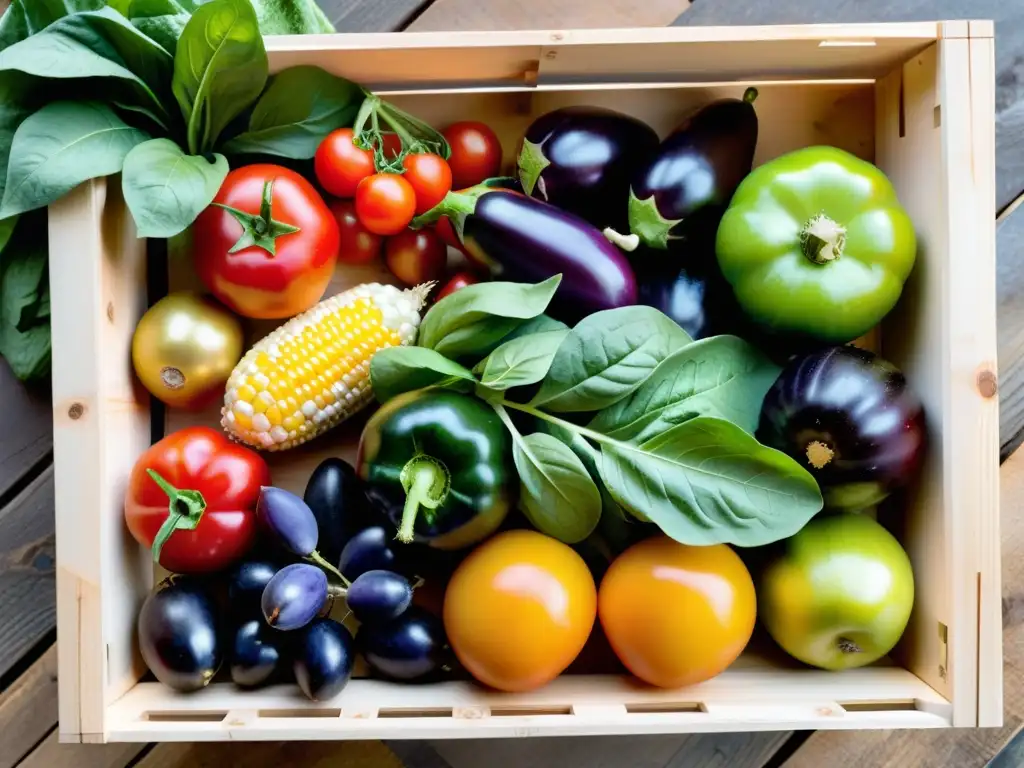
839	593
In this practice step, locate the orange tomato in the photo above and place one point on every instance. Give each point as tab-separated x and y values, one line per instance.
676	615
519	609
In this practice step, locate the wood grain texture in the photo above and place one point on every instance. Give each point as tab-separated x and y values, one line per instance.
52	754
321	754
373	16
26	426
26	570
547	14
1010	284
28	709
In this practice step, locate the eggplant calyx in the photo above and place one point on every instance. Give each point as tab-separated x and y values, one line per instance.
426	481
822	239
819	454
647	223
847	646
532	163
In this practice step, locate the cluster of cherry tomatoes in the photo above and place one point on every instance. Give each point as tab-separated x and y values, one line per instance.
374	206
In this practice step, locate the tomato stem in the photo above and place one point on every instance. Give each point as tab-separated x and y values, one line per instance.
185	509
261	231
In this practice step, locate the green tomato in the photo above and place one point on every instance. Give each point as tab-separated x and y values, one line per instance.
839	595
816	244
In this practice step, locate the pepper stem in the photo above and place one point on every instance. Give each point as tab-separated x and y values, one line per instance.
822	239
185	509
426	482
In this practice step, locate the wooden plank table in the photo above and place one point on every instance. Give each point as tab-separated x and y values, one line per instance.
27	659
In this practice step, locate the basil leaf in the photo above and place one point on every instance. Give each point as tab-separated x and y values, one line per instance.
59	147
556	493
165	189
524	360
721	376
299	108
402	369
606	356
706	481
538	324
220	68
475	319
161	20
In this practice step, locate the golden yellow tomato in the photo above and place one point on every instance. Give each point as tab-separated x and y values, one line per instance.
676	615
184	349
519	609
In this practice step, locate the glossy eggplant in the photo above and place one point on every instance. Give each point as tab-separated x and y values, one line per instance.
518	238
257	654
246	583
323	659
851	419
582	159
684	189
413	647
179	634
335	496
379	596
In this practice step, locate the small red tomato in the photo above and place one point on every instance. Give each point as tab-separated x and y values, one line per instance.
340	165
431	179
444	229
385	203
476	153
416	256
192	498
458	280
358	244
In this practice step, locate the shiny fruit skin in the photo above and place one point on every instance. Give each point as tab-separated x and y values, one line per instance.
294	597
184	349
179	634
841	578
409	648
377	597
257	652
416	256
340	165
476	153
358	244
385	203
246	583
519	609
371	549
323	657
457	281
430	177
674	614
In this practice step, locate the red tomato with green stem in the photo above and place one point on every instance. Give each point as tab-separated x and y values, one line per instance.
268	244
340	165
358	244
192	497
475	155
430	177
416	256
385	203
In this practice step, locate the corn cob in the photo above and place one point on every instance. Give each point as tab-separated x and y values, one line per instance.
314	371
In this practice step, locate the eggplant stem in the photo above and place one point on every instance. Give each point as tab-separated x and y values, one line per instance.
628	243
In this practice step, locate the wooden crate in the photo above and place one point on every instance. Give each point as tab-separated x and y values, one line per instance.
916	98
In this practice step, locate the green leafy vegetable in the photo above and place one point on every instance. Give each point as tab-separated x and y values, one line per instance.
721	376
18	99
291	17
300	106
27	17
25	296
60	146
165	189
220	68
523	360
538	324
402	369
606	356
161	20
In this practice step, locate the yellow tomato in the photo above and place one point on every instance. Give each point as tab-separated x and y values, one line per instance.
519	609
676	615
185	348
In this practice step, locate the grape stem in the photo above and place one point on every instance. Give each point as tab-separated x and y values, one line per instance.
315	557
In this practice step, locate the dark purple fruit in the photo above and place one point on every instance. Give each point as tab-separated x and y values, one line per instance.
850	418
246	584
289	519
335	496
294	597
179	634
376	597
257	654
371	549
412	647
323	661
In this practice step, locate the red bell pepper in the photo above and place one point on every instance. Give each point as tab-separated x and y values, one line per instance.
192	498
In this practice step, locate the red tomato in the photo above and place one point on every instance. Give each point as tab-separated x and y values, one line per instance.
358	244
458	280
385	203
416	256
430	177
213	482
340	165
476	153
392	145
444	229
282	273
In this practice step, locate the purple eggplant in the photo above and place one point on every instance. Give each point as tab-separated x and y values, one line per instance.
582	159
684	189
520	239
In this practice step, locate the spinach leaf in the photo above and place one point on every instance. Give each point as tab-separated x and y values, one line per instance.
165	189
60	146
161	20
538	324
6	230
706	481
291	17
18	99
475	320
27	17
721	376
606	356
29	354
24	267
556	493
402	369
521	361
300	106
24	297
590	456
220	69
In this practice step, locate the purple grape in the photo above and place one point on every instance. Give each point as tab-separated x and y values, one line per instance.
324	655
289	518
294	596
379	596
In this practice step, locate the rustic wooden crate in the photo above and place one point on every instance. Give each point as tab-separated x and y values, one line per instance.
916	98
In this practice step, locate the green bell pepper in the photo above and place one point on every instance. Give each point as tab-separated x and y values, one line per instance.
815	244
439	465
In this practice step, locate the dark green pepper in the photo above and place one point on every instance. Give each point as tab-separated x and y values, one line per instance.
439	465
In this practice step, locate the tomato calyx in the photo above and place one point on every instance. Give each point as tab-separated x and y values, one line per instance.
260	230
415	135
185	509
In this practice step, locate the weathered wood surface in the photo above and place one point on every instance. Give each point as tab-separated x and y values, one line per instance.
28	709
362	16
445	15
26	430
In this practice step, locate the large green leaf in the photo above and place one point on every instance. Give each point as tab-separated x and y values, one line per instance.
402	369
24	297
18	99
606	356
706	481
27	17
721	376
60	146
160	20
165	189
300	106
522	361
220	69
